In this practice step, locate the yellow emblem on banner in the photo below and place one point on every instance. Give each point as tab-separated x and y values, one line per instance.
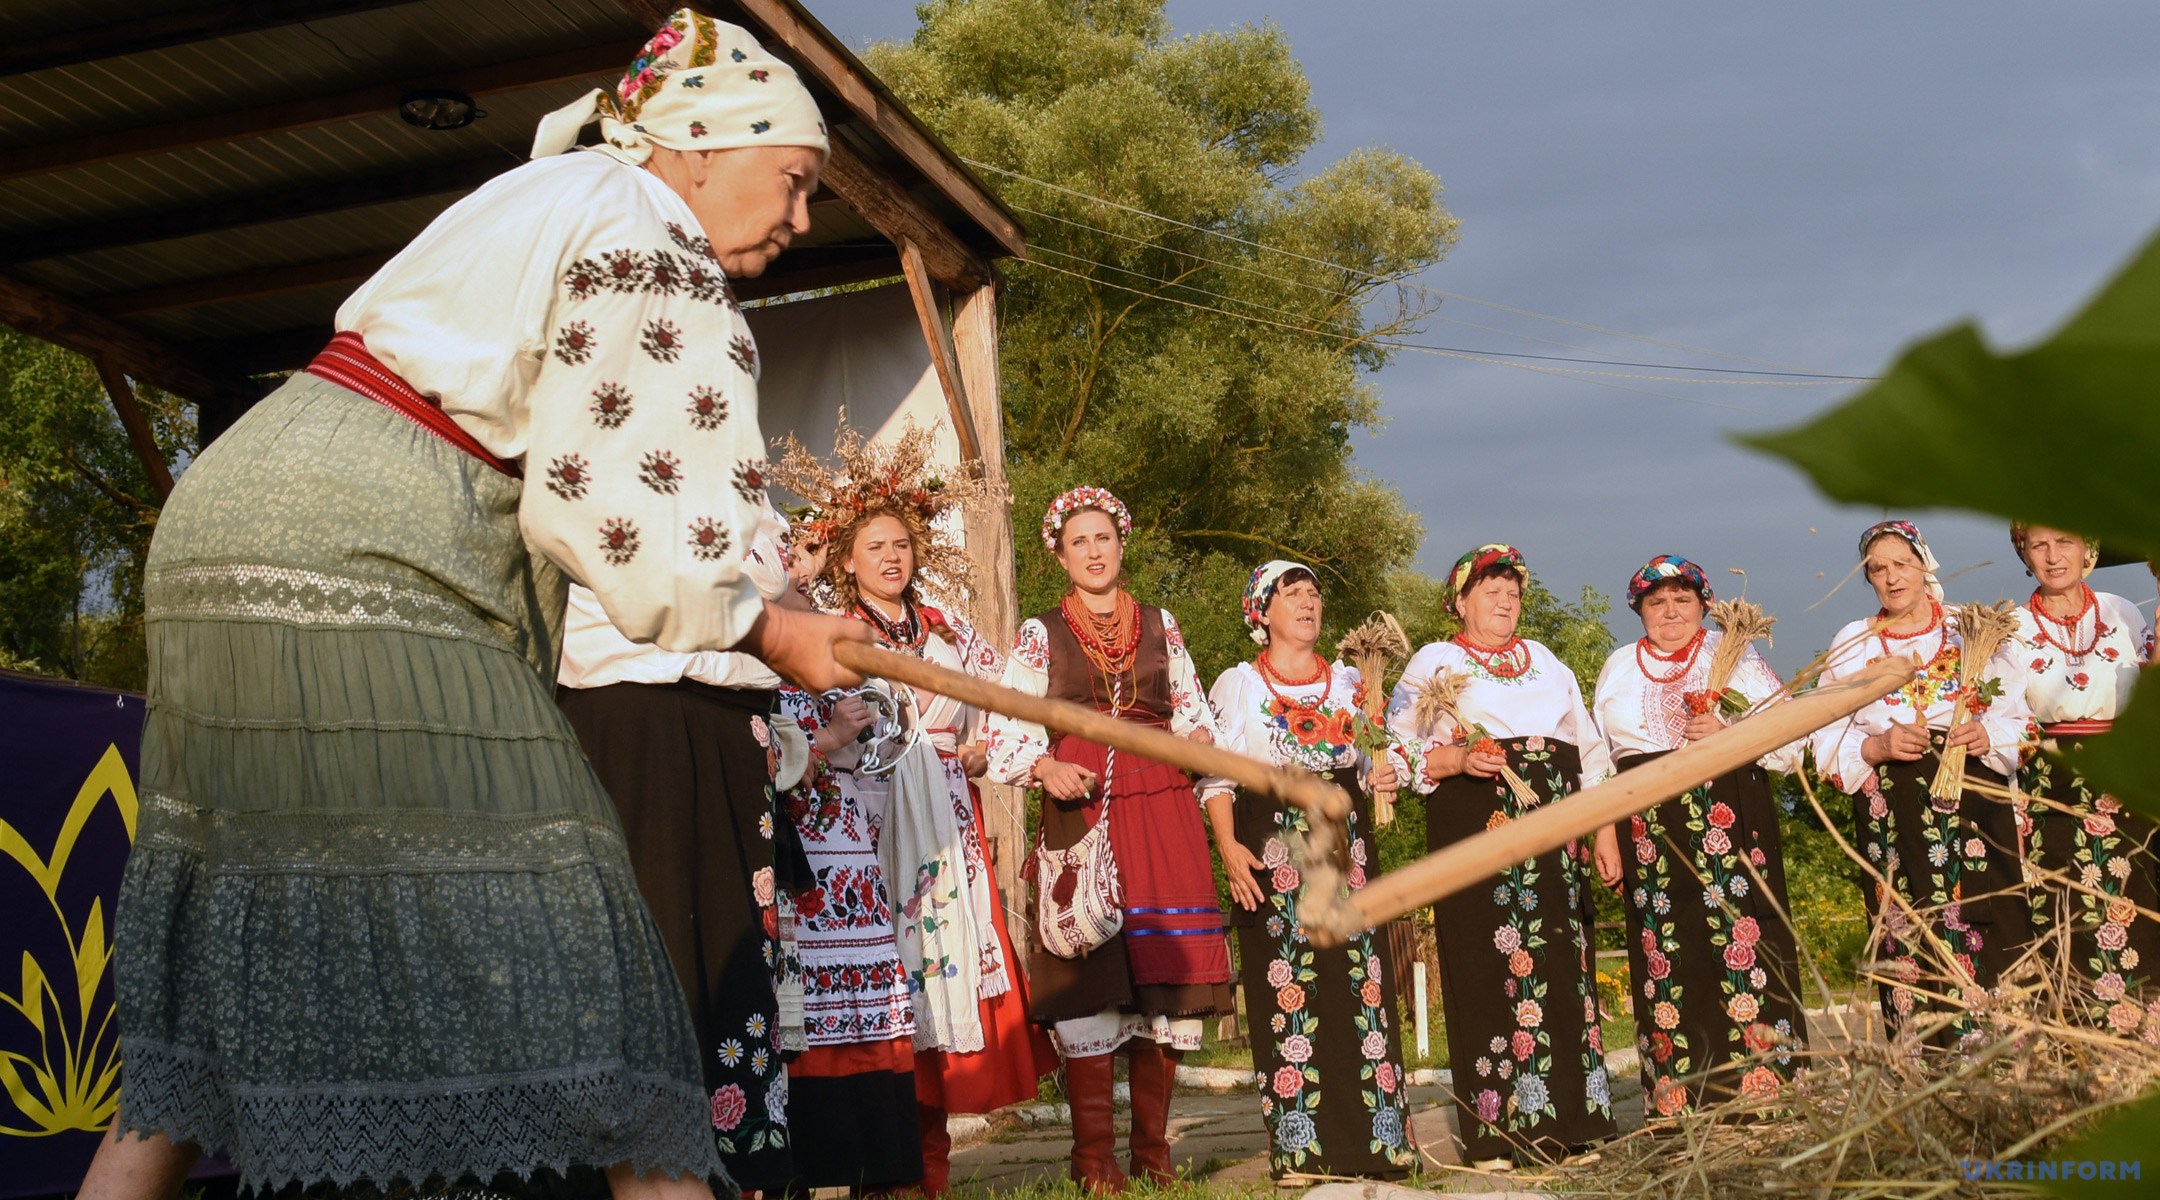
75	1085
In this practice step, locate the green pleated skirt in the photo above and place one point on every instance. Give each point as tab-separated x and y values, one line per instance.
380	927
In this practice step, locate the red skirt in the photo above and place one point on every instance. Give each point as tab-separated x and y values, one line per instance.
1015	1054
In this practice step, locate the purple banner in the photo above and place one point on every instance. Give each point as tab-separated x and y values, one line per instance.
68	757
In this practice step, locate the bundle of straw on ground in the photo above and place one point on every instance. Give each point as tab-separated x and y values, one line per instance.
1371	648
1870	1115
1982	628
1441	696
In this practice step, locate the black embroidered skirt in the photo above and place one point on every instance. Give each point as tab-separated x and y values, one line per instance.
1957	866
685	764
1325	1040
2105	849
1515	975
1716	989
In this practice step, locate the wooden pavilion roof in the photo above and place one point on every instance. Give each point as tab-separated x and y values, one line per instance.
188	189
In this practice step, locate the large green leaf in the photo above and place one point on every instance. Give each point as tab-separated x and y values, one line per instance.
2065	434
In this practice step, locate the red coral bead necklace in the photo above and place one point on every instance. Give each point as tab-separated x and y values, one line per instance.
1509	661
1683	659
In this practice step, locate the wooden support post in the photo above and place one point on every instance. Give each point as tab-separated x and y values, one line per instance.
138	428
990	542
942	355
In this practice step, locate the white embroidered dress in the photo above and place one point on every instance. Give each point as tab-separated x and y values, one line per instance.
2093	686
609	356
1544	701
1639	714
943	919
1930	698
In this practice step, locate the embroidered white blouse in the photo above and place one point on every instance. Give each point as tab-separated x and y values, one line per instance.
1934	691
1014	745
596	654
1641	715
1544	701
2096	685
568	316
1254	724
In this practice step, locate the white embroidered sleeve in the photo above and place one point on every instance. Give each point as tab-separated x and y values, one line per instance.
1758	682
643	467
1232	708
1014	744
1579	727
1188	704
2009	716
1412	741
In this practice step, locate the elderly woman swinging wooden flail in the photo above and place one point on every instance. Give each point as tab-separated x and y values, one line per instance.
1327	911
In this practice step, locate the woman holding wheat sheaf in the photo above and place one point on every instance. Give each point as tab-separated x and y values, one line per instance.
2082	651
1496	726
1717	997
1939	849
1325	1042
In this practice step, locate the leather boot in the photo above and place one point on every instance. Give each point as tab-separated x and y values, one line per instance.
936	1151
1094	1123
1153	1074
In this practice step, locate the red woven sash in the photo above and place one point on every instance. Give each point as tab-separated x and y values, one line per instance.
347	363
2084	728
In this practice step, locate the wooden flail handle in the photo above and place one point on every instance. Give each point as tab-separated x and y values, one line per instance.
1320	799
1330	917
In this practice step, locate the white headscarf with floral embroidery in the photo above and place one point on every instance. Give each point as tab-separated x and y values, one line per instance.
699	84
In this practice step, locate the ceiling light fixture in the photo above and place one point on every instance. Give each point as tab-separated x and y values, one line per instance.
438	109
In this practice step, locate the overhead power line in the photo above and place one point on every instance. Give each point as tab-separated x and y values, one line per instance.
1601	378
1772	367
1302	323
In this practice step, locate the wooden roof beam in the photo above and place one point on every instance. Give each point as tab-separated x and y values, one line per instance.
235	212
246	285
902	219
309	112
63	322
114	39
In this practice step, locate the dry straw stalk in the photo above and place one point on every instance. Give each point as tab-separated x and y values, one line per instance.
1982	628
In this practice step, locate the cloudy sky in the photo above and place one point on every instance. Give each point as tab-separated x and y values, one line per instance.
1811	186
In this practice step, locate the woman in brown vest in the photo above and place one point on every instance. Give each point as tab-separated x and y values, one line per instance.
1151	986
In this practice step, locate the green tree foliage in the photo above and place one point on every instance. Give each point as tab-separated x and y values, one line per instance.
76	514
1228	435
1951	424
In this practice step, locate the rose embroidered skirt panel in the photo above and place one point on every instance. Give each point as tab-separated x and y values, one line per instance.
1957	865
1515	975
1326	1044
1713	968
2110	853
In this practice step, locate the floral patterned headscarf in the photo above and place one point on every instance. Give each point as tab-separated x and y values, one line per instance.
1260	592
699	84
1666	567
1491	554
1911	535
1085	496
2022	530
